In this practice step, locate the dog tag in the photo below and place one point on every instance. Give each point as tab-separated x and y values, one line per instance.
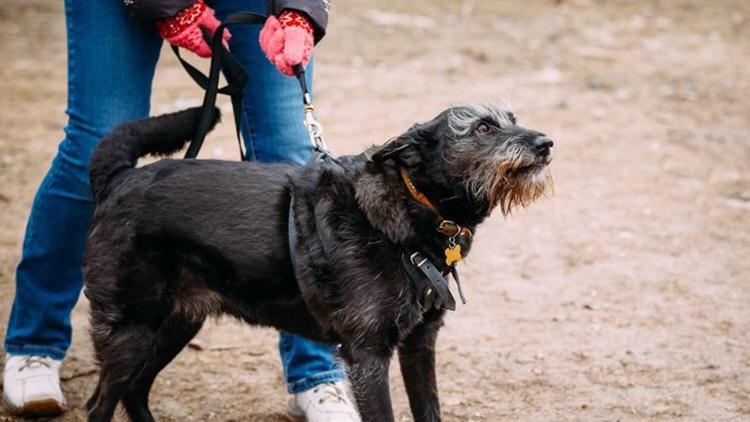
453	254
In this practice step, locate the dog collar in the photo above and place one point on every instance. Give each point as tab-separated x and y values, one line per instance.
416	194
444	226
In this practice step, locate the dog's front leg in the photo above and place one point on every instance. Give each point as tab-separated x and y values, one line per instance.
368	373
417	357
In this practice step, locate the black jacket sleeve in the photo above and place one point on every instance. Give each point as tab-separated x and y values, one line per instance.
155	9
316	10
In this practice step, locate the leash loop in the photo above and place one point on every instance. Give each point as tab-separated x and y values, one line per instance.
221	62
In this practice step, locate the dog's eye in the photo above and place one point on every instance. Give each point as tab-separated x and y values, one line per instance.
482	128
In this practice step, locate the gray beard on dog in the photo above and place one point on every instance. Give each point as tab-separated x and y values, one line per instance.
503	177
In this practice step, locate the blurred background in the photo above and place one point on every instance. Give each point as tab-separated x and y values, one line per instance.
622	296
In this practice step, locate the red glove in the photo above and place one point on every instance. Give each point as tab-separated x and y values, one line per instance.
287	41
184	28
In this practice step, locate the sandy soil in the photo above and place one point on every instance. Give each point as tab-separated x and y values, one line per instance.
624	296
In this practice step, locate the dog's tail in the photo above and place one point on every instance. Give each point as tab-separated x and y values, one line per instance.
121	149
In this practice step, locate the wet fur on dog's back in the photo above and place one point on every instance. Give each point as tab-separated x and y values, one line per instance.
179	240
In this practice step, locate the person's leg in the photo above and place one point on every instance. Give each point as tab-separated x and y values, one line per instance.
273	132
111	62
307	363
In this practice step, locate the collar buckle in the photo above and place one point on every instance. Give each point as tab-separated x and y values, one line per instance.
449	228
414	257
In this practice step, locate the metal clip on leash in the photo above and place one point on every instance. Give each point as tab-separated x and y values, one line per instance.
314	128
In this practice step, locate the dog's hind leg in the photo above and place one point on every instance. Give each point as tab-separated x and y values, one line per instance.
173	335
120	355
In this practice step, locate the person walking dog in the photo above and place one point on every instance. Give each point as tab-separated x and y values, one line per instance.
113	49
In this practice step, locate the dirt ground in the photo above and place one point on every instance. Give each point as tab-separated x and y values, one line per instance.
623	296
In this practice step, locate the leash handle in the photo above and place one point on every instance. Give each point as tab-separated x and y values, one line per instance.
222	61
209	101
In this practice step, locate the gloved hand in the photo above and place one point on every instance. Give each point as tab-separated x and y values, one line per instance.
287	41
185	28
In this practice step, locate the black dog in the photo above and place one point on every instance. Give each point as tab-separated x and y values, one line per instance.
179	240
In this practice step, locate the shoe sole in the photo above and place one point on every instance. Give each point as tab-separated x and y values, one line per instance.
44	407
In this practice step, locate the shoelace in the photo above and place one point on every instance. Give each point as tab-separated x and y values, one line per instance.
330	391
34	362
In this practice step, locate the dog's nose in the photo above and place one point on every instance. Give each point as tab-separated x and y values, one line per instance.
542	143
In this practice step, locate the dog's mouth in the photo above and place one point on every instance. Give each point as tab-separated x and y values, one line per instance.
520	185
528	169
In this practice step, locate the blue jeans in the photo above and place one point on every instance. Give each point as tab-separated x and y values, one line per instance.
111	63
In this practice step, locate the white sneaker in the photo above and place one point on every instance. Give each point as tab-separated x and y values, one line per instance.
323	403
31	386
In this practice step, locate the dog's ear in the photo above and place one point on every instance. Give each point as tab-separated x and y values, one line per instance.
420	134
392	148
395	146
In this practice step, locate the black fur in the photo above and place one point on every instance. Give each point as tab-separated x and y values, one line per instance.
121	149
179	240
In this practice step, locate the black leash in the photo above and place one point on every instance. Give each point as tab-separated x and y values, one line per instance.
222	61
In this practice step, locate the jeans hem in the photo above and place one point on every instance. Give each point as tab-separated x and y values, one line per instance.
29	350
309	382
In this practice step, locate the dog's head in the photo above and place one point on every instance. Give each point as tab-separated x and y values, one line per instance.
472	158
